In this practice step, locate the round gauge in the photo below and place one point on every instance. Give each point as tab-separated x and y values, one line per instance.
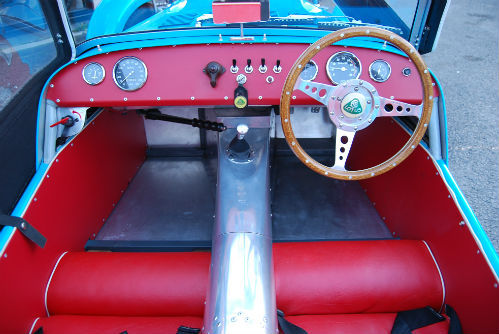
309	72
130	73
380	70
343	66
93	73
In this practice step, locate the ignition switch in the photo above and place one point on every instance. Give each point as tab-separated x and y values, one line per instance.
214	70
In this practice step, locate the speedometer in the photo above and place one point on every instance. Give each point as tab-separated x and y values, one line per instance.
130	73
343	66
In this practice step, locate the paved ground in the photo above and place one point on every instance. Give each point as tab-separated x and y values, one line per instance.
466	62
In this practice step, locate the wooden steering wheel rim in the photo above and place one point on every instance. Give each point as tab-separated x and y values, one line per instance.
413	141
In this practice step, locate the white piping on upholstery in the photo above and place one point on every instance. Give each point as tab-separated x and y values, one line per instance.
50	280
33	326
440	273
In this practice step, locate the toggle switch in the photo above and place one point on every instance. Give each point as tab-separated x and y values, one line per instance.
263	67
248	68
277	67
234	68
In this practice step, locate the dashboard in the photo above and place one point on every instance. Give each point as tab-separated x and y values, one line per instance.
176	75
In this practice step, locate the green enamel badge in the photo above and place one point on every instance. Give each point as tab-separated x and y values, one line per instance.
353	107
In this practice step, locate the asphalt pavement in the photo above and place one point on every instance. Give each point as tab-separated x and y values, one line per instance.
466	61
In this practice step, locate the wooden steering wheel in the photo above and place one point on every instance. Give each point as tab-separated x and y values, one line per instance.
354	104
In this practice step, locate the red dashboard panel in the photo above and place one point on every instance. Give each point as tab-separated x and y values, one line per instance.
175	76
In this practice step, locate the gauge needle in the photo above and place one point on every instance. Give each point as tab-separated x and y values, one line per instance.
343	69
95	75
379	70
122	81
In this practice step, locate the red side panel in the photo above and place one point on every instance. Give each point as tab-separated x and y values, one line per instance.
130	284
73	324
67	211
355	277
415	203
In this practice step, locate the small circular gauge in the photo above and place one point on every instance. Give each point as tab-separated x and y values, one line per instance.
130	73
93	73
309	72
380	70
343	66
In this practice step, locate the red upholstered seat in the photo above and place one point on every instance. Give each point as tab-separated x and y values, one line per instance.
130	284
324	287
338	277
77	324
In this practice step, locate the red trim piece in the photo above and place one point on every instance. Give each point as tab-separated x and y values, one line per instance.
100	160
415	203
236	12
130	284
175	76
355	277
73	324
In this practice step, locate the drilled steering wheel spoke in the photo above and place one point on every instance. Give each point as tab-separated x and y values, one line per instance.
392	108
317	91
344	141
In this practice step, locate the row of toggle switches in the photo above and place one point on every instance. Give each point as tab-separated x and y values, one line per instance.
262	68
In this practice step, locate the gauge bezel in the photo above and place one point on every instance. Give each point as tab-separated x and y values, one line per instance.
316	71
337	53
103	73
389	70
114	73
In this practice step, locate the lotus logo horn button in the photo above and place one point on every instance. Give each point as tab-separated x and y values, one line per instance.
353	105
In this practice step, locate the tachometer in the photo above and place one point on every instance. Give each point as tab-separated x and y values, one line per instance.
130	73
93	73
309	72
343	66
380	70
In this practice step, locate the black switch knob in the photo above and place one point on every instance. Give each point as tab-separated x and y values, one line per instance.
248	62
214	70
234	63
263	62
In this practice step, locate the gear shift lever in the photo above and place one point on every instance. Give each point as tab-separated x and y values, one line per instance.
239	149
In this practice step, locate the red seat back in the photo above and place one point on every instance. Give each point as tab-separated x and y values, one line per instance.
130	284
355	277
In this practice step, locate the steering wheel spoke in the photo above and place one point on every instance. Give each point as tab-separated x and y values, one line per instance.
392	108
318	91
344	141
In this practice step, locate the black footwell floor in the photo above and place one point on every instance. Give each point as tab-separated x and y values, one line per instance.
173	199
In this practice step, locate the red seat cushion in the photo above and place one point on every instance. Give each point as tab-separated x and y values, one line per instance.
372	323
384	276
74	324
130	284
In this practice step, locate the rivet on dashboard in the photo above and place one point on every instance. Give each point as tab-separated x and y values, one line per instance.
226	97
392	97
158	98
260	97
91	99
293	97
57	100
193	98
51	85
